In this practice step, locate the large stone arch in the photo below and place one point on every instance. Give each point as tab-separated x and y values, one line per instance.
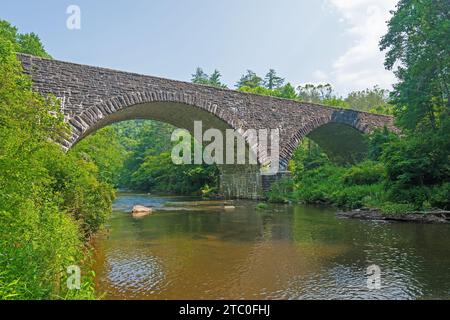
180	110
149	105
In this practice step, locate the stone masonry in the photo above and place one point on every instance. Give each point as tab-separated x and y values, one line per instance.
93	97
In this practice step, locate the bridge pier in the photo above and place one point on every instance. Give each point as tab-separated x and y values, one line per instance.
247	184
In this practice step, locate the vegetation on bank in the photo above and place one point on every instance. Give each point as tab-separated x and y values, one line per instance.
50	202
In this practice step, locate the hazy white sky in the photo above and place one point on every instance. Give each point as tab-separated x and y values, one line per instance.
333	41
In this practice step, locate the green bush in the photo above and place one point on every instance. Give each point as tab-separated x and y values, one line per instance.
103	149
366	173
417	164
397	208
317	185
349	188
440	196
417	196
262	206
357	196
280	191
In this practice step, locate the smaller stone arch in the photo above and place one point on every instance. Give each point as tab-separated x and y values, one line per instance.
340	126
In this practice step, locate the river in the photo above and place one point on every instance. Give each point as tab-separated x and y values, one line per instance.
190	249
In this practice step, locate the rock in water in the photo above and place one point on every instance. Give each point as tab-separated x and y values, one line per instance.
141	211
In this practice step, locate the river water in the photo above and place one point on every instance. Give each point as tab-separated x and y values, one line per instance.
191	249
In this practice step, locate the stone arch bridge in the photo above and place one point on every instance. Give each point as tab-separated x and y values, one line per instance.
93	97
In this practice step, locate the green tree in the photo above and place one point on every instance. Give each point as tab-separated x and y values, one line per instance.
199	77
250	79
287	91
141	139
417	45
315	93
259	90
159	174
374	100
272	81
38	238
28	43
214	80
105	150
419	166
417	50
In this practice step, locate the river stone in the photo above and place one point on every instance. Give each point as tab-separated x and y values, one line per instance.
141	211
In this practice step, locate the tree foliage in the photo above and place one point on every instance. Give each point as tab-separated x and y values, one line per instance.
200	77
50	201
418	50
28	43
272	80
315	93
105	150
250	79
374	100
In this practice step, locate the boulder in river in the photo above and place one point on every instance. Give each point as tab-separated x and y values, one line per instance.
141	211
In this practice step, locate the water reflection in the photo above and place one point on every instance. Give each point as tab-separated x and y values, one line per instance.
200	251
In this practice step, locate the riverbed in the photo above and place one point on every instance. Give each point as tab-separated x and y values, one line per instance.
194	249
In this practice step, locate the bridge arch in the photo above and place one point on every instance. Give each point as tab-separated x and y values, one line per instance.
340	134
152	105
180	110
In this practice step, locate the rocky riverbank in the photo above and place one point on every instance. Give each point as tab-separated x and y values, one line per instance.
437	216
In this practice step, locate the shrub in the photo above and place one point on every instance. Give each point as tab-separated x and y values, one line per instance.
357	196
262	206
417	196
417	164
280	191
440	196
366	173
396	208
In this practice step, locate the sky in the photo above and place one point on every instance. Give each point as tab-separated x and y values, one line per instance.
305	41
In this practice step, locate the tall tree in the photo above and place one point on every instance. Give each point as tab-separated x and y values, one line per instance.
199	77
418	51
272	81
214	79
287	91
370	100
250	79
315	93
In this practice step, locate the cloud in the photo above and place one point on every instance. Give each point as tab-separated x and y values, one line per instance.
320	75
362	65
